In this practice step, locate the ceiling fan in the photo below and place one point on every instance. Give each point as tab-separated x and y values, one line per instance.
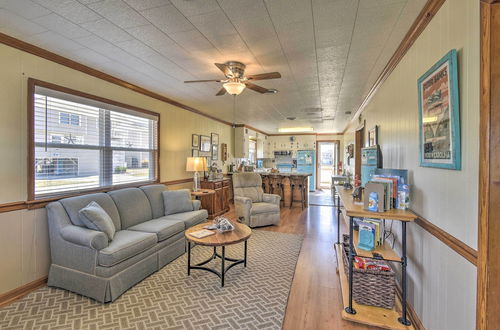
236	81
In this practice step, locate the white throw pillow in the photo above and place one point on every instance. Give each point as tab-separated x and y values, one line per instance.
94	217
177	201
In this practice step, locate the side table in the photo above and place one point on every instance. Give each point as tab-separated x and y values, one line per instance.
206	196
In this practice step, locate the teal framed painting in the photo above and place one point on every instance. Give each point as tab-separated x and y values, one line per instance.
439	115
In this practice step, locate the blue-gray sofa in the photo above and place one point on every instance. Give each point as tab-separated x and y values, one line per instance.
83	261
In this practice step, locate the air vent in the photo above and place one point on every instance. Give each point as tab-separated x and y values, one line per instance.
312	110
348	112
291	118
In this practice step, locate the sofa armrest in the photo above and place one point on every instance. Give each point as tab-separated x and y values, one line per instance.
85	237
196	204
271	198
243	207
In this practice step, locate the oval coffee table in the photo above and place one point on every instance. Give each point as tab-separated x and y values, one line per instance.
241	233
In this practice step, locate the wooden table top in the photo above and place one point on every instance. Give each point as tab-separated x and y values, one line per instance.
202	192
240	233
357	209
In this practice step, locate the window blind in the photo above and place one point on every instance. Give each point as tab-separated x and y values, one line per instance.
83	144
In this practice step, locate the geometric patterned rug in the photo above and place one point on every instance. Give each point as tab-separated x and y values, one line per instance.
252	298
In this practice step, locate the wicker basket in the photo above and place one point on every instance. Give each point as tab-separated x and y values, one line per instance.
370	287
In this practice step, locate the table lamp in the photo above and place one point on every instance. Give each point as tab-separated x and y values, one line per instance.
195	164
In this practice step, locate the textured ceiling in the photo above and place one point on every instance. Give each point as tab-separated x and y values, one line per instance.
329	52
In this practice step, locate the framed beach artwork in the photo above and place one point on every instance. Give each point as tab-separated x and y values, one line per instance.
439	115
373	136
205	145
215	138
195	140
215	152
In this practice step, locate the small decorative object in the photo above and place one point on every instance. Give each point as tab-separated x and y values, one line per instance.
215	152
195	153
373	136
439	115
404	197
223	148
195	140
347	184
215	138
366	236
357	194
223	224
205	143
373	202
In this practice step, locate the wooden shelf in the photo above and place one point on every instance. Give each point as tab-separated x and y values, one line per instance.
384	250
369	315
354	209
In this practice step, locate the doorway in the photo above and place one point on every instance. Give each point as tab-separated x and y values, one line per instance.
327	159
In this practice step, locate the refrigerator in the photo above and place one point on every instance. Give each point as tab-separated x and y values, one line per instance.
306	163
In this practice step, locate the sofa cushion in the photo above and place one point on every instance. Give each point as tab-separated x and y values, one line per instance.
177	201
154	194
258	208
73	205
133	206
163	228
126	244
94	217
190	219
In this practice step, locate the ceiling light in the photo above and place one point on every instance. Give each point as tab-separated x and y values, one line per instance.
295	129
234	87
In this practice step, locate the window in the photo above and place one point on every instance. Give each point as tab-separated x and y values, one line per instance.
69	119
82	143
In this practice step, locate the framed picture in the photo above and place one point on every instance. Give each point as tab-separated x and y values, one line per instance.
205	143
439	115
215	152
195	140
373	136
215	138
195	153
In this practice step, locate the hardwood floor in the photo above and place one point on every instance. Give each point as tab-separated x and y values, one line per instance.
315	300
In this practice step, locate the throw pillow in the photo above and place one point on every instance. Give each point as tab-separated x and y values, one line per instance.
94	217
177	201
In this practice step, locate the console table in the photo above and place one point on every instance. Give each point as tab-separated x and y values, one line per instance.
397	318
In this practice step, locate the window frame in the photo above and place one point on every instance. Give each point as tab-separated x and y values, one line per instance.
32	84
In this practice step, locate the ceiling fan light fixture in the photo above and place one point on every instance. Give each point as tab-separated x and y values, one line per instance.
234	87
295	129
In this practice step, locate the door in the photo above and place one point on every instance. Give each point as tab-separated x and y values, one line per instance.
327	162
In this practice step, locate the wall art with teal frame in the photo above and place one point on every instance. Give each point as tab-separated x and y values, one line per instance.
439	115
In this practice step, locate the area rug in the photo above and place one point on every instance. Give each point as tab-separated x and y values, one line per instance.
252	298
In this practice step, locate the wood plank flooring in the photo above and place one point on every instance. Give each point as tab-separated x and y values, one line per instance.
315	298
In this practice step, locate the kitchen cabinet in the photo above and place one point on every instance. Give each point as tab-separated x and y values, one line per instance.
241	142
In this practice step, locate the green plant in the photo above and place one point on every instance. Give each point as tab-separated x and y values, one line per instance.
120	169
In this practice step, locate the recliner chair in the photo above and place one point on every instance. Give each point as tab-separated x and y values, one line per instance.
253	207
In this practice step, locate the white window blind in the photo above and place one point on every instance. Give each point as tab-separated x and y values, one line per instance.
82	144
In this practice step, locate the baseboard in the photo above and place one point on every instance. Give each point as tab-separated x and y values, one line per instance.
415	320
17	293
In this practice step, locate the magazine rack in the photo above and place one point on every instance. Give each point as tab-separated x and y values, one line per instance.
396	318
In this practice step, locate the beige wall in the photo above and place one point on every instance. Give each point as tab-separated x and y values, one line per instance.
442	284
23	234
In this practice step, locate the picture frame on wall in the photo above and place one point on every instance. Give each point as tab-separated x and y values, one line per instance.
195	153
215	138
205	144
373	136
195	140
215	152
439	115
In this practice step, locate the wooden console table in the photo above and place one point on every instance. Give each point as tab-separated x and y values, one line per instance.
397	318
218	203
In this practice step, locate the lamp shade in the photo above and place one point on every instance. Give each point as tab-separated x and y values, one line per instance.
195	164
234	87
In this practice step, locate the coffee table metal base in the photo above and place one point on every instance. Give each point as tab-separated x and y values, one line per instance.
215	255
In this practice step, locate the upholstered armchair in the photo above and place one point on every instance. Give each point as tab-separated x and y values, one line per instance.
253	207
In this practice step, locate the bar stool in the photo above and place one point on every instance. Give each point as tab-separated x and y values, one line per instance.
265	183
298	181
276	185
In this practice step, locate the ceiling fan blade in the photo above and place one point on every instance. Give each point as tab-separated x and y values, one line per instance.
222	91
225	69
256	88
264	76
197	81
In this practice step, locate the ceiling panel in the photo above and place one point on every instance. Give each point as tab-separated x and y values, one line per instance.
329	52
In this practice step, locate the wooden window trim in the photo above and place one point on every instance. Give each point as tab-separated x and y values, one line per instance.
32	84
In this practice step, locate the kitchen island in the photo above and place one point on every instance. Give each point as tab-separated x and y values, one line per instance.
286	184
